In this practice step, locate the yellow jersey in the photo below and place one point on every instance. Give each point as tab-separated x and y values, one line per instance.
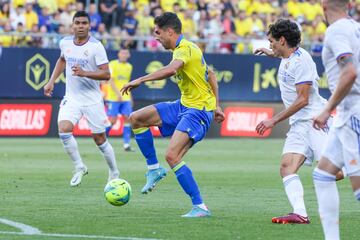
192	78
121	74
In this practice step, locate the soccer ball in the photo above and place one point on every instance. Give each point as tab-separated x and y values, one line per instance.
117	192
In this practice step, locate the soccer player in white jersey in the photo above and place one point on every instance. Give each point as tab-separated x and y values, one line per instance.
341	60
86	64
297	78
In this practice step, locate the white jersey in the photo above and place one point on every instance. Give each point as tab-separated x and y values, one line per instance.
343	37
81	90
300	68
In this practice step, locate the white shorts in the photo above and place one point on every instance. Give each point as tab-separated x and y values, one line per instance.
303	139
342	147
94	114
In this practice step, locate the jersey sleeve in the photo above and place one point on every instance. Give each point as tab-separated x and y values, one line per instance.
100	56
304	74
339	44
181	53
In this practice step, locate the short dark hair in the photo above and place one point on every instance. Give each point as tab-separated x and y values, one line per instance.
81	14
287	29
168	20
339	4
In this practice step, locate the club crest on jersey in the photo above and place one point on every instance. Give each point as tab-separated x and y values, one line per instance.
86	53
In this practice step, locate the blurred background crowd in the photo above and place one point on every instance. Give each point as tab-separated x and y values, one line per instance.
218	26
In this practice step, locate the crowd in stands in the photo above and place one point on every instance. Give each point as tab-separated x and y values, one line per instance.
220	26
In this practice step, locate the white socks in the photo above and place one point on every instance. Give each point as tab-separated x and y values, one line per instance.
71	148
153	166
295	193
109	156
328	199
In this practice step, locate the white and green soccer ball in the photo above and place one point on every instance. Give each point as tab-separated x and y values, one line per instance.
117	192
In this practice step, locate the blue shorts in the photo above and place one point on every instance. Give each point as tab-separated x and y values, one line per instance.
175	116
116	108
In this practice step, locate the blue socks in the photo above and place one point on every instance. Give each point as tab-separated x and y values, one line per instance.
188	183
145	141
127	133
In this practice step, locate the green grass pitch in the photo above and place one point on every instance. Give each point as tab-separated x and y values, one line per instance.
239	180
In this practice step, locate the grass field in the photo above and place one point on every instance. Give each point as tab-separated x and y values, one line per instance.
238	179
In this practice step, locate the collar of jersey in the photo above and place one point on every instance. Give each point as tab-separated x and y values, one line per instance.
179	40
81	43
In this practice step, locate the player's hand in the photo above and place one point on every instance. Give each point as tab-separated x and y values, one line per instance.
48	89
219	115
265	125
77	71
130	86
261	51
320	122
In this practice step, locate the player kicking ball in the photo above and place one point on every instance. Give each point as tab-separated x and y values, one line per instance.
186	120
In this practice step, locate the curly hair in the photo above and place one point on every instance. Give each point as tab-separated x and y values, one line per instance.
169	20
287	29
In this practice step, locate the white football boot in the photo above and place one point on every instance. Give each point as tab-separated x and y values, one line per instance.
78	174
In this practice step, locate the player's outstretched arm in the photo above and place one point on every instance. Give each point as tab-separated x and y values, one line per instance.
219	115
102	73
59	68
303	92
165	72
347	78
264	51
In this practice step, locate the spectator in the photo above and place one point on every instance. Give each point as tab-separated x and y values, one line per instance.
95	18
66	17
17	16
6	40
4	14
121	9
31	17
188	24
107	12
35	41
51	5
130	28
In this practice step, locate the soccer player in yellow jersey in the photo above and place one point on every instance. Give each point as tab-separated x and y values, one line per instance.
186	120
117	104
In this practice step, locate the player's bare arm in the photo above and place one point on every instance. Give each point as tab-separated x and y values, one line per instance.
303	92
264	51
346	80
102	73
219	115
59	68
115	89
165	72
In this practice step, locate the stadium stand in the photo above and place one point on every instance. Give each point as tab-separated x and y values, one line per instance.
218	26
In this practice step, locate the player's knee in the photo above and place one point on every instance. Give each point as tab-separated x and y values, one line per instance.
134	120
171	158
99	138
286	169
65	127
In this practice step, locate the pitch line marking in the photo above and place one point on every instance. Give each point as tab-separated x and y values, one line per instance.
29	230
26	229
